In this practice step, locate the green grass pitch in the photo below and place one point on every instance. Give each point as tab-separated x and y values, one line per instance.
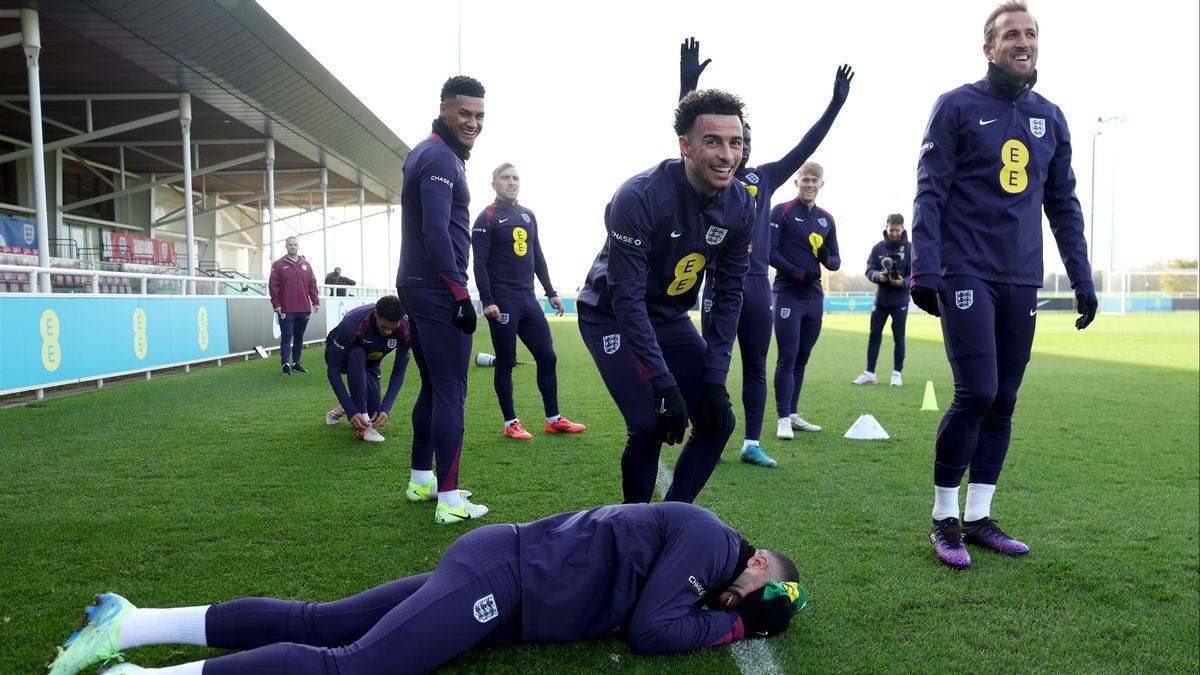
226	483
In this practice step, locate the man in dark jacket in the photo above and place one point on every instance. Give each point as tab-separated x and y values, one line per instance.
670	575
890	266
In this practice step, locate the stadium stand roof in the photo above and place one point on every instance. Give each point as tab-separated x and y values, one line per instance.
107	62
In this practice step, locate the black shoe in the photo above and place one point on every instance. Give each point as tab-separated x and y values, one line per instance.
985	532
947	539
297	368
287	370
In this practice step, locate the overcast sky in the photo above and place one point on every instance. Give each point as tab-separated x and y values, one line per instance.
580	97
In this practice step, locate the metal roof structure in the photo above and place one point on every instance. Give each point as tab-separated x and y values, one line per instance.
116	76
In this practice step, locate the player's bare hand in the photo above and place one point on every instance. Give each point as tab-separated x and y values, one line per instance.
492	312
558	305
379	419
360	422
841	84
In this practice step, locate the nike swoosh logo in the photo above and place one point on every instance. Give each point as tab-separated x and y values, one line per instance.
676	235
502	220
981	123
1032	312
662	407
798	219
762	633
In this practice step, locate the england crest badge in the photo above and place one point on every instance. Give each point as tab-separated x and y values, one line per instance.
525	217
785	312
715	235
964	299
612	343
485	609
1037	126
503	318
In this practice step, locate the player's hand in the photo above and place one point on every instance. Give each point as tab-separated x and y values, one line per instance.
379	420
670	414
1086	304
718	411
462	315
764	618
276	310
823	255
898	282
558	305
690	67
316	308
360	422
841	83
492	312
925	293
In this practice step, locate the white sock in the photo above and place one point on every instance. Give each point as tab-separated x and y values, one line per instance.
450	497
193	668
509	423
869	373
749	442
945	502
552	420
177	625
979	501
421	477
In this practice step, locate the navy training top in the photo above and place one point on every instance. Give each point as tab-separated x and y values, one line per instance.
435	229
357	330
508	253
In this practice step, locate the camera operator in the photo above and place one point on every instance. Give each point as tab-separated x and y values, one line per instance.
889	266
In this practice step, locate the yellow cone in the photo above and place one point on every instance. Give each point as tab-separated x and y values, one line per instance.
930	402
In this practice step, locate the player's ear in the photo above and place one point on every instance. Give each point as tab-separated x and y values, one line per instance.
684	148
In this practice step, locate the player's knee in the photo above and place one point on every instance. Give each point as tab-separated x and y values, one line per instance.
974	399
1004	404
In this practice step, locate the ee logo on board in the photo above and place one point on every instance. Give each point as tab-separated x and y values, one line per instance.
50	329
141	342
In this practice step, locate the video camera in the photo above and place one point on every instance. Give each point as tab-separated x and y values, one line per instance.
890	263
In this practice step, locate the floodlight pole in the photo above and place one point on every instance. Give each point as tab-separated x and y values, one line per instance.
1116	119
31	38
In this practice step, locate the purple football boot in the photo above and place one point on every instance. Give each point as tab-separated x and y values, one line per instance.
985	532
947	540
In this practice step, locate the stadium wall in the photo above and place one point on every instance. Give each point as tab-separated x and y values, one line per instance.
49	340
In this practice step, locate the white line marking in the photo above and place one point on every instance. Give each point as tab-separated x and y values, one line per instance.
664	480
754	657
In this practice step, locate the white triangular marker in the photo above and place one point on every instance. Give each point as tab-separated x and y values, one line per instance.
866	428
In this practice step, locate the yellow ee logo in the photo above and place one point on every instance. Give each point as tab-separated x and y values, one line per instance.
1015	157
687	273
141	343
202	322
50	329
520	241
816	240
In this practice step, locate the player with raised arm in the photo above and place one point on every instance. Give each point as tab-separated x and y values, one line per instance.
754	324
664	226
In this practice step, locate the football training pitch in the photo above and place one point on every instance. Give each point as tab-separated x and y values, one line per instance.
226	483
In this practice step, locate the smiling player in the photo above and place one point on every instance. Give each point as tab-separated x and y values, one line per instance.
664	225
995	155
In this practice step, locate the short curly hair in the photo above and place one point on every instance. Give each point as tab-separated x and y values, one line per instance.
706	102
390	308
461	85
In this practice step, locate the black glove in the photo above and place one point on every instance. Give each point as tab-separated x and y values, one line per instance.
463	316
822	255
841	83
764	618
690	66
805	279
1086	304
718	411
670	414
926	297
